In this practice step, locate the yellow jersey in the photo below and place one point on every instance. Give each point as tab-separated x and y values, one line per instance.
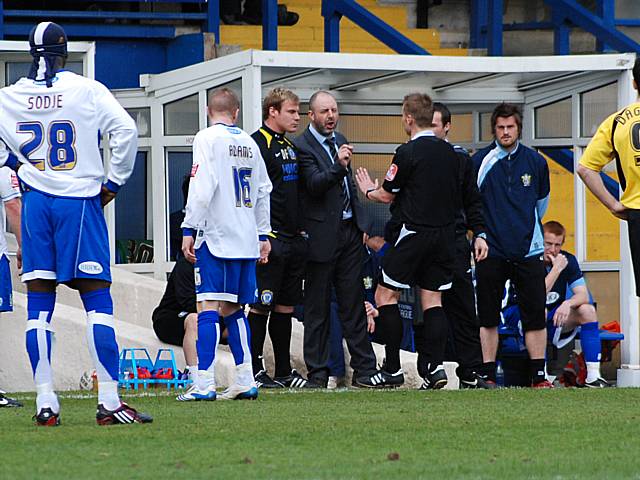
618	138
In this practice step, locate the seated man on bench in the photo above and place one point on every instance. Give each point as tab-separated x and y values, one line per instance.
569	304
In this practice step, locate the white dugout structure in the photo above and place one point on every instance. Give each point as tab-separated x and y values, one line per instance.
563	98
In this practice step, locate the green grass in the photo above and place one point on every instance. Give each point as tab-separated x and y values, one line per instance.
346	434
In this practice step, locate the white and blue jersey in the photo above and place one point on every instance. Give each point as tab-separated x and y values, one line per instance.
515	192
228	202
8	191
228	209
55	133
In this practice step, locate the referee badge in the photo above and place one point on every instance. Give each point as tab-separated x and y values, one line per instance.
391	173
526	180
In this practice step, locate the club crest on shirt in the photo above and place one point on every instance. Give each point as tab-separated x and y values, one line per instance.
552	297
391	173
368	282
267	297
526	180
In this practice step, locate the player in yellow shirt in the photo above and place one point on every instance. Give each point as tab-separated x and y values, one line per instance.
618	138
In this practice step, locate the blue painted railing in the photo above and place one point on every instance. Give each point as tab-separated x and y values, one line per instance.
564	158
334	10
487	25
18	22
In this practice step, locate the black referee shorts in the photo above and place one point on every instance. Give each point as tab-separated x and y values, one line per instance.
280	280
526	275
633	224
169	326
422	257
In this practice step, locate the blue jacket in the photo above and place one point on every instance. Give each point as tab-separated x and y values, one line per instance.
515	192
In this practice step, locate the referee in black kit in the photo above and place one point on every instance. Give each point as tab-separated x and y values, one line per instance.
422	182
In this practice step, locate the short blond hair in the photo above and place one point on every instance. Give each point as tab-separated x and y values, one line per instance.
275	98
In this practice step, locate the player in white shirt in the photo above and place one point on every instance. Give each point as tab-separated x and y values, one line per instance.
52	121
10	203
226	223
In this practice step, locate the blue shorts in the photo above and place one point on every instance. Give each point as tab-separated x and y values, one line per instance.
226	280
6	298
63	238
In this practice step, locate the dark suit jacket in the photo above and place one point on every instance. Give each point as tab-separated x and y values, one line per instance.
321	192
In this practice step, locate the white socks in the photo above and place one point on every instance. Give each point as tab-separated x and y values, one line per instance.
593	371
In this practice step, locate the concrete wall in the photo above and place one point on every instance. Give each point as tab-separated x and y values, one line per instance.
135	296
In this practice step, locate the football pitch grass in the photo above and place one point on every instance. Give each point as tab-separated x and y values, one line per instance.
511	433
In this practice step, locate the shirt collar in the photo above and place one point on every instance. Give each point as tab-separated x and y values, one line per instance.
423	133
502	153
272	132
319	137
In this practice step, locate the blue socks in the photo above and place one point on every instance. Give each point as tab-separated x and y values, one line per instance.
208	338
39	335
100	333
590	341
239	337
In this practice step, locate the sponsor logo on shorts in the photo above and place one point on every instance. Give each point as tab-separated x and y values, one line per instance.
196	275
266	297
552	297
391	173
194	170
1	300
91	268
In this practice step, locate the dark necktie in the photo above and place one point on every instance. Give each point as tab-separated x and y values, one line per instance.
346	201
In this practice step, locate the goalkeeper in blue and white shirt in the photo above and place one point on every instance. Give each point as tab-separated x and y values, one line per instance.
52	120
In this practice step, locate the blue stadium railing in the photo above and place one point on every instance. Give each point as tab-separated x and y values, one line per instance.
564	158
101	24
333	10
487	25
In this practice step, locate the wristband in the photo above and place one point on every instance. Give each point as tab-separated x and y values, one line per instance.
482	235
263	238
366	195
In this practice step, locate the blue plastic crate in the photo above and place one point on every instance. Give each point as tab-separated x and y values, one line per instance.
132	359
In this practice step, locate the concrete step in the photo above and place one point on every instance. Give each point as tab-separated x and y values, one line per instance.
367	47
71	358
134	300
318	3
246	35
311	16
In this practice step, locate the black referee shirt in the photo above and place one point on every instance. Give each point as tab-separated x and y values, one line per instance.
424	175
282	165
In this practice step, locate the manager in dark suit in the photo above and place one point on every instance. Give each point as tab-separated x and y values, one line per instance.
335	221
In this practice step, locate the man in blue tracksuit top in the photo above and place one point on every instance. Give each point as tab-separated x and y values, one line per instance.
514	184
